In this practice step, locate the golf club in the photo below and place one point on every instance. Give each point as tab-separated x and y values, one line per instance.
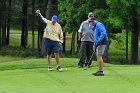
89	60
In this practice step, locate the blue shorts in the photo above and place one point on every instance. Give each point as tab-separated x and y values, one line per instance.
51	46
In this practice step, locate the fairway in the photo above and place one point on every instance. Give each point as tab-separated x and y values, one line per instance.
31	76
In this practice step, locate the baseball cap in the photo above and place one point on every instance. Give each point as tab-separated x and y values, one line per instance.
54	18
91	19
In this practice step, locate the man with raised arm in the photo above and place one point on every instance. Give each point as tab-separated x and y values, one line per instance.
53	35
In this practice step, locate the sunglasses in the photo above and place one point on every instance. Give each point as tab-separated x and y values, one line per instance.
90	21
91	16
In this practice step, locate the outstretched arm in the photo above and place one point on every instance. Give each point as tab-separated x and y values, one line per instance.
40	16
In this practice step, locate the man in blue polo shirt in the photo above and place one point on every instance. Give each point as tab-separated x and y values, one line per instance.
100	44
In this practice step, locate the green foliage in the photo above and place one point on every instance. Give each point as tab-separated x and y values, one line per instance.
120	10
117	50
72	13
120	40
115	21
68	14
116	56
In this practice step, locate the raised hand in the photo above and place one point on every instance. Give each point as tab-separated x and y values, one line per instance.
37	11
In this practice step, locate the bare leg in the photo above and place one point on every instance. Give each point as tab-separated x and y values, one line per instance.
49	59
100	62
57	58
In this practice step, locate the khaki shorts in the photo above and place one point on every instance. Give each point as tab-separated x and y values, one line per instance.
101	49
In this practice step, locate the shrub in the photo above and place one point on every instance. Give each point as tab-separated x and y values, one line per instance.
18	51
117	56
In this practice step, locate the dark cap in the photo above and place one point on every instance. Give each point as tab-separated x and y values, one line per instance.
91	19
90	14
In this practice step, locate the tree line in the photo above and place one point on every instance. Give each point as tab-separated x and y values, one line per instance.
115	14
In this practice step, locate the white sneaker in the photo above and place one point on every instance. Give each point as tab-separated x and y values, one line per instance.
59	68
49	68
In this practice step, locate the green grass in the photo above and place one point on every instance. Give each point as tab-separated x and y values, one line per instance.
31	76
15	38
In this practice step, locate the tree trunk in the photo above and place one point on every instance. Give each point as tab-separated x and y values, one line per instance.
24	36
134	36
0	36
73	42
8	23
38	43
0	25
51	8
4	24
126	26
4	32
47	9
78	44
40	35
64	43
0	32
33	23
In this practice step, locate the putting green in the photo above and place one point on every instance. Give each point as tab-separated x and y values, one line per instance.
117	79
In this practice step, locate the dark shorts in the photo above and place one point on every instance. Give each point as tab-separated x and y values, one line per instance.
51	46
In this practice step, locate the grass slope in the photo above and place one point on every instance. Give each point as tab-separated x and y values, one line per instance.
31	76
